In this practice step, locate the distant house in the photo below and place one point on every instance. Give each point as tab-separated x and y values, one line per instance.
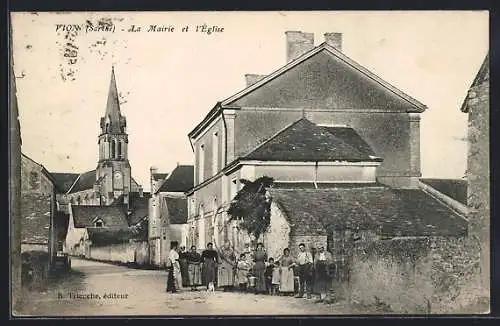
39	229
108	233
168	210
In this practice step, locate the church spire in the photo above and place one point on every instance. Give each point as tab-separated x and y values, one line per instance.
114	121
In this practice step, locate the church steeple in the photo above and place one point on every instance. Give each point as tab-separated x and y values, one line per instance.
113	121
113	169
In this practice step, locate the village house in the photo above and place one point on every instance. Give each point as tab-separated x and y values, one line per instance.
42	227
477	106
168	210
343	148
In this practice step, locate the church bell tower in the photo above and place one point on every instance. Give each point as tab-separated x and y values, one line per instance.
113	169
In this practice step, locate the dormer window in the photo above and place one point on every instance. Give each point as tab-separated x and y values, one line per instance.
98	223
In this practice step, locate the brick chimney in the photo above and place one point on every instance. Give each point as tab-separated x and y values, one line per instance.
298	43
334	40
253	78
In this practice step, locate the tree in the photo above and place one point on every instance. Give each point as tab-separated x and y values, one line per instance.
252	206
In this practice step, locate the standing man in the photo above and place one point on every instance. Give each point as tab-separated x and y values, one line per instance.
304	262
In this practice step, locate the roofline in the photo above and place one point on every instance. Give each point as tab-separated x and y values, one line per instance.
44	170
207	119
420	106
464	108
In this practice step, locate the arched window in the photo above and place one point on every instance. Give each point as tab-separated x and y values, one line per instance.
113	144
201	228
108	124
120	150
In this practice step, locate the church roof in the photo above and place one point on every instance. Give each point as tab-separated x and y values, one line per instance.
305	141
84	181
181	179
112	216
64	181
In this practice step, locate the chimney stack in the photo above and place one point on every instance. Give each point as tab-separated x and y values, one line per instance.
298	43
334	40
253	78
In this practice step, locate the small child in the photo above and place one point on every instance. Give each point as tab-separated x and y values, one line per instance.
269	275
275	280
242	270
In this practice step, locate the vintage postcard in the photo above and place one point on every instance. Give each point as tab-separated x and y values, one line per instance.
249	163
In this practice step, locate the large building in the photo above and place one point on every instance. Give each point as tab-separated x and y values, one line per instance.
322	121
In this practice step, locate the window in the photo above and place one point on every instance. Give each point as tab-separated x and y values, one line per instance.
201	228
34	182
215	153
98	223
201	164
120	154
113	142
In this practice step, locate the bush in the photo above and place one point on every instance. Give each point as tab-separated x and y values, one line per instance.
34	269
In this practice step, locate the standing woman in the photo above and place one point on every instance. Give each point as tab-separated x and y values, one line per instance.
323	261
226	268
210	260
194	268
259	268
183	261
172	267
286	273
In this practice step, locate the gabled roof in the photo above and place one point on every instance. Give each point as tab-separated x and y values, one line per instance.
305	141
112	216
323	77
332	74
139	208
177	209
181	179
482	75
388	212
159	176
64	181
43	169
84	181
453	188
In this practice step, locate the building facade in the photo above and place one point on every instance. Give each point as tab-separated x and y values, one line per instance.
330	91
168	211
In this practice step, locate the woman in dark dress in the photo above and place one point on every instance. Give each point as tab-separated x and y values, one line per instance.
323	261
210	260
183	261
259	268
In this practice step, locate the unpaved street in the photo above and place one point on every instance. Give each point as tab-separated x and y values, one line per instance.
103	289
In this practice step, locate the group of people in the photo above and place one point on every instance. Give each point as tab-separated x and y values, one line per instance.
252	271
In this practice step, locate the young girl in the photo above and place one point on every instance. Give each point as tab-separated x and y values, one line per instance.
275	281
242	270
269	275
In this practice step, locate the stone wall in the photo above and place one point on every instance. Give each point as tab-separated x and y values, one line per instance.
414	275
134	252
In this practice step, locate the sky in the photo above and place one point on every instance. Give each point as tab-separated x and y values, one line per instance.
170	80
